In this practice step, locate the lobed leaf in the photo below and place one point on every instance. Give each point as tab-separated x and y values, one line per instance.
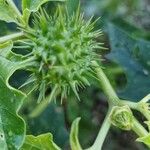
12	126
133	55
41	142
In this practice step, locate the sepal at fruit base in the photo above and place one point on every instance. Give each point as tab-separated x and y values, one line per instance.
122	117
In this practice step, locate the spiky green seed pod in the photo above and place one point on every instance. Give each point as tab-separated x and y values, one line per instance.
122	117
63	48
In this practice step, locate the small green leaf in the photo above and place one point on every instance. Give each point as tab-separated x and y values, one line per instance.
74	142
145	140
41	142
33	5
6	13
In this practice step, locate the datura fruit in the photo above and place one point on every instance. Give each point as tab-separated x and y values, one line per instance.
61	50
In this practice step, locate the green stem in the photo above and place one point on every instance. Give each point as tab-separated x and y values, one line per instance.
113	100
131	104
139	129
145	112
44	104
137	106
102	133
105	84
13	36
147	115
111	94
39	109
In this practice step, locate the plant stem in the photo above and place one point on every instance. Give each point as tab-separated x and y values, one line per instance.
106	86
131	104
11	37
140	106
113	100
145	113
139	129
102	133
39	109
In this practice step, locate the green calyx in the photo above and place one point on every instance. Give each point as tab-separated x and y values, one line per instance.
63	47
122	117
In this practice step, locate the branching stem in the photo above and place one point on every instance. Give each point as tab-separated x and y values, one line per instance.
102	133
137	106
105	84
113	100
139	129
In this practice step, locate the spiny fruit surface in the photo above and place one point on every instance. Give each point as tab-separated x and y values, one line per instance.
63	47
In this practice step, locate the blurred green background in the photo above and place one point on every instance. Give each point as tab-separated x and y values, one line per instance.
126	32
